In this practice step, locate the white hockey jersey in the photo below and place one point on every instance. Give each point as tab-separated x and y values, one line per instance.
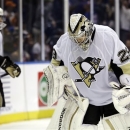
106	59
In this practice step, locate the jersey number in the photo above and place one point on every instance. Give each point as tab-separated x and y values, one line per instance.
124	55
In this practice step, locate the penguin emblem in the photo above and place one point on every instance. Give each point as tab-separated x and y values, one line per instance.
87	69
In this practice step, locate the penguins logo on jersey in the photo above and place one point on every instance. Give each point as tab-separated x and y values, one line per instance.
87	68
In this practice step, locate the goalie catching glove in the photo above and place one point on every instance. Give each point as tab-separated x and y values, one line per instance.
121	97
56	77
12	69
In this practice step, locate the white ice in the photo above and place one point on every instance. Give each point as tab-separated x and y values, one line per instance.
40	124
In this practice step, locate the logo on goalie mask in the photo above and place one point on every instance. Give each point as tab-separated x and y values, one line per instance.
87	69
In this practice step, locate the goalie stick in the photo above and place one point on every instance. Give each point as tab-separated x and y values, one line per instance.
78	99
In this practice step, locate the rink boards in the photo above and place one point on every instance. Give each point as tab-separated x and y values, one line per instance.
26	95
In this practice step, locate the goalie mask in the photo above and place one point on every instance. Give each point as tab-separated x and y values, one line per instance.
2	19
80	30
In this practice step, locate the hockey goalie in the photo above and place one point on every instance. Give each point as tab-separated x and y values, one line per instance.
89	76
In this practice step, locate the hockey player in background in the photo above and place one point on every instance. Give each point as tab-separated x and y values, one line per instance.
6	64
98	63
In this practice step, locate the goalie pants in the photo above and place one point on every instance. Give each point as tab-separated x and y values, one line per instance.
94	113
2	100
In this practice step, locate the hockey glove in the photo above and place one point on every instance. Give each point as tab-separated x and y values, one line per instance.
12	69
121	97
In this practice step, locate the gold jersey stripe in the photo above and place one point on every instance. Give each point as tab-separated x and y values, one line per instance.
126	68
55	62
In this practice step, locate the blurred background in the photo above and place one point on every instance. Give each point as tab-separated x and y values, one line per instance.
33	26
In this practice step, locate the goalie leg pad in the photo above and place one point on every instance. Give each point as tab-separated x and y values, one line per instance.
70	116
117	122
57	115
